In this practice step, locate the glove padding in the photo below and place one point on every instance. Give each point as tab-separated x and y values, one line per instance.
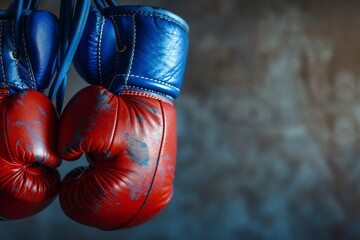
28	122
126	125
130	144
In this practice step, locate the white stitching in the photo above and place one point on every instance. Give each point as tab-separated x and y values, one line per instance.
148	14
1	57
13	85
152	79
143	94
16	62
99	49
132	52
27	58
149	90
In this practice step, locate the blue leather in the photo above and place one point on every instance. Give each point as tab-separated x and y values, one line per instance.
28	57
134	47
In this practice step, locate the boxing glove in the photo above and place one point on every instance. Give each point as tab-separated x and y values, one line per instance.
125	122
29	180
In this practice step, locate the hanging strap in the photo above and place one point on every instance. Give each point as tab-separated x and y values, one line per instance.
102	4
32	5
28	5
73	16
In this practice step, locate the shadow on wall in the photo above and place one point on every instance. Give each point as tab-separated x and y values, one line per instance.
268	124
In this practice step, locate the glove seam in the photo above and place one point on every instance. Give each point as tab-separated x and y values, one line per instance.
12	85
1	57
7	136
148	14
116	124
118	35
143	94
116	55
99	49
132	51
15	47
151	79
149	90
27	58
4	94
149	191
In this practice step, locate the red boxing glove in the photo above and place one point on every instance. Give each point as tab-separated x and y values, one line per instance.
127	125
130	143
28	179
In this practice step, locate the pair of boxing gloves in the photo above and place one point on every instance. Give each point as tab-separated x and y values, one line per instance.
133	57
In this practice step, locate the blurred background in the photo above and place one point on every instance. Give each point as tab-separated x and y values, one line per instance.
268	127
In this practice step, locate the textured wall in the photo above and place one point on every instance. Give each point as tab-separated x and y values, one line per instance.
268	126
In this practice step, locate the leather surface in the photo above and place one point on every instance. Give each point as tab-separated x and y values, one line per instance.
134	47
130	144
28	179
31	64
125	123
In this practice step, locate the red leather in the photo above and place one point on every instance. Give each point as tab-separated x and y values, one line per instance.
130	144
28	179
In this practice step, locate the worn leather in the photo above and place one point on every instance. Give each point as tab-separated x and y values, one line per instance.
130	144
36	53
125	123
134	47
29	180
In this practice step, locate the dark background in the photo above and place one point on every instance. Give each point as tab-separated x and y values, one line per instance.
268	127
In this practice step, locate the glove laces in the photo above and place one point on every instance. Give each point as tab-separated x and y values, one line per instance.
101	4
73	16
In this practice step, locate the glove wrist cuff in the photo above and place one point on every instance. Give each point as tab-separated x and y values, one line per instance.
136	47
146	94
